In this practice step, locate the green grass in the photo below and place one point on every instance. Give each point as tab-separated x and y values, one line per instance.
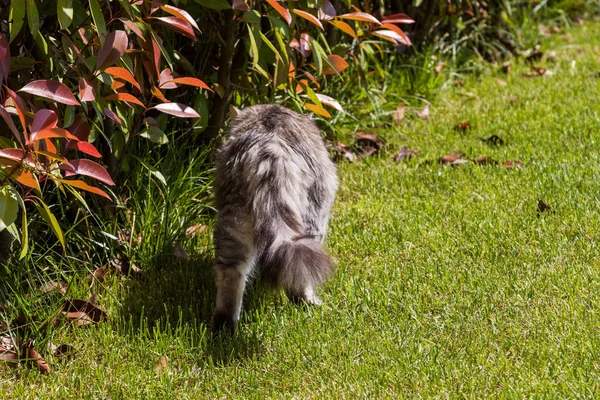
449	281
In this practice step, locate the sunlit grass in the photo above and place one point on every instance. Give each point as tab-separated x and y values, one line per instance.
450	282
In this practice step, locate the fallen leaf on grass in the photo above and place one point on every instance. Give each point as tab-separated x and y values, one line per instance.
484	161
9	357
452	158
162	365
543	207
537	71
98	275
501	82
398	116
341	151
510	164
405	154
424	114
494	140
180	254
60	287
459	83
35	359
506	67
368	143
439	67
462	126
82	312
594	75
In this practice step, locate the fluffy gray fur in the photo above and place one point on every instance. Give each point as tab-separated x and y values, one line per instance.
274	187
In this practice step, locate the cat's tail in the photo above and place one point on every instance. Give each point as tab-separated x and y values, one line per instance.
289	258
298	266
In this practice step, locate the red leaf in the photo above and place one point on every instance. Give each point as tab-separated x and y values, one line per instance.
11	125
338	62
12	154
85	147
182	14
51	90
191	82
177	109
89	168
134	28
122	73
178	25
361	16
86	91
80	127
4	59
309	17
327	11
53	133
114	47
405	40
240	5
44	119
398	19
125	97
389	35
284	12
82	185
165	76
157	55
110	114
18	103
27	179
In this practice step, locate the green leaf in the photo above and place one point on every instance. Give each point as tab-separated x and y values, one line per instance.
24	231
33	18
269	44
155	135
318	55
9	206
253	43
152	170
98	20
45	212
64	11
43	46
17	17
215	4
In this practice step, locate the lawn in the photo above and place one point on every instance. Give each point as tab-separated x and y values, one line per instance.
452	281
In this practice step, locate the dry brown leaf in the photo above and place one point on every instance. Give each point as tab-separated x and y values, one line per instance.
424	114
501	82
513	164
506	67
82	312
341	151
451	158
162	365
60	287
398	116
484	161
405	154
9	357
35	359
543	207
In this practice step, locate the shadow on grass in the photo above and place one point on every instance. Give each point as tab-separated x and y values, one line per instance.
178	299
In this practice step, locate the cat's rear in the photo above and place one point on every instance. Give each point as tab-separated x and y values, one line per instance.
274	187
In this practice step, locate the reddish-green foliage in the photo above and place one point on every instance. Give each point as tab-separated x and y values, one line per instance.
94	76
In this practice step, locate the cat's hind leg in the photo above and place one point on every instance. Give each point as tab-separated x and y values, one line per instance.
235	255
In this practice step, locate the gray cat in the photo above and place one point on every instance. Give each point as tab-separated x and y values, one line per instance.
274	187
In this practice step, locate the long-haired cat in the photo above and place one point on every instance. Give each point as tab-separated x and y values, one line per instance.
274	187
